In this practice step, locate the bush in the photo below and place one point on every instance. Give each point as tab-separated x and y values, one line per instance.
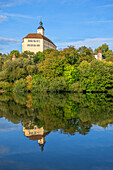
75	87
43	85
40	84
5	86
58	84
20	86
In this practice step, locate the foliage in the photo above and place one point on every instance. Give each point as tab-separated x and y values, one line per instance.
70	113
96	76
40	84
105	51
16	52
27	54
85	54
71	73
5	86
29	84
109	59
58	85
20	86
52	66
104	48
38	57
17	69
66	70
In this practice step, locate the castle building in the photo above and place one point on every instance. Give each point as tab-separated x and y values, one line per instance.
35	42
36	134
99	55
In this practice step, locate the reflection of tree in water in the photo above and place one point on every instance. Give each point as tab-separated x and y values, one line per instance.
70	113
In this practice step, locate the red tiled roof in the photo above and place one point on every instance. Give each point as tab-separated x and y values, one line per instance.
99	51
37	137
14	56
39	36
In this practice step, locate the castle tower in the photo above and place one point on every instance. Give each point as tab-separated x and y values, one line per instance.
41	29
14	57
41	143
99	55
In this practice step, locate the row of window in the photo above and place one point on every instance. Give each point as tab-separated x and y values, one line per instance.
33	45
33	133
33	40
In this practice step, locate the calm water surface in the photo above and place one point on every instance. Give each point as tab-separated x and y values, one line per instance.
53	132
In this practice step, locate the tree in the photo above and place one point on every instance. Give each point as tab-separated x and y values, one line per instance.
29	84
38	57
20	86
27	54
52	66
105	50
17	69
85	54
16	52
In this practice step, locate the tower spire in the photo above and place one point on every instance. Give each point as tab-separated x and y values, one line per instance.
40	29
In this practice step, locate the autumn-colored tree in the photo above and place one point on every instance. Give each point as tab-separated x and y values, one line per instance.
29	84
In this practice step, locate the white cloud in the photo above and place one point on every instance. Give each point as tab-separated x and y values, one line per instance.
8	41
93	43
20	16
3	18
99	128
10	3
6	126
108	5
6	4
96	22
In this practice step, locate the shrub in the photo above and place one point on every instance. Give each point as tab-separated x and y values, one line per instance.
5	86
40	84
58	84
75	87
20	86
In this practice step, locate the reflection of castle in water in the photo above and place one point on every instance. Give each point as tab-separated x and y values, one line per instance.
35	133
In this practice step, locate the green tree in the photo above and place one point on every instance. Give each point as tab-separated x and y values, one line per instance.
38	57
27	54
52	66
16	52
20	86
19	68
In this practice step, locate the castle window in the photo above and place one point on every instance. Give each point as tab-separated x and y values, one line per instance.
29	40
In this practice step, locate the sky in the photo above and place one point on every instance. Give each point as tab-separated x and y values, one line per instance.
66	22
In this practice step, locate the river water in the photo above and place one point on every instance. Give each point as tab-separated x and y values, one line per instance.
56	131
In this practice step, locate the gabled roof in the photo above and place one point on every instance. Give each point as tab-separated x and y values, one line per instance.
38	36
99	51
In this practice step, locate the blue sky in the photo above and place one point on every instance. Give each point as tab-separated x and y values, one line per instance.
66	22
